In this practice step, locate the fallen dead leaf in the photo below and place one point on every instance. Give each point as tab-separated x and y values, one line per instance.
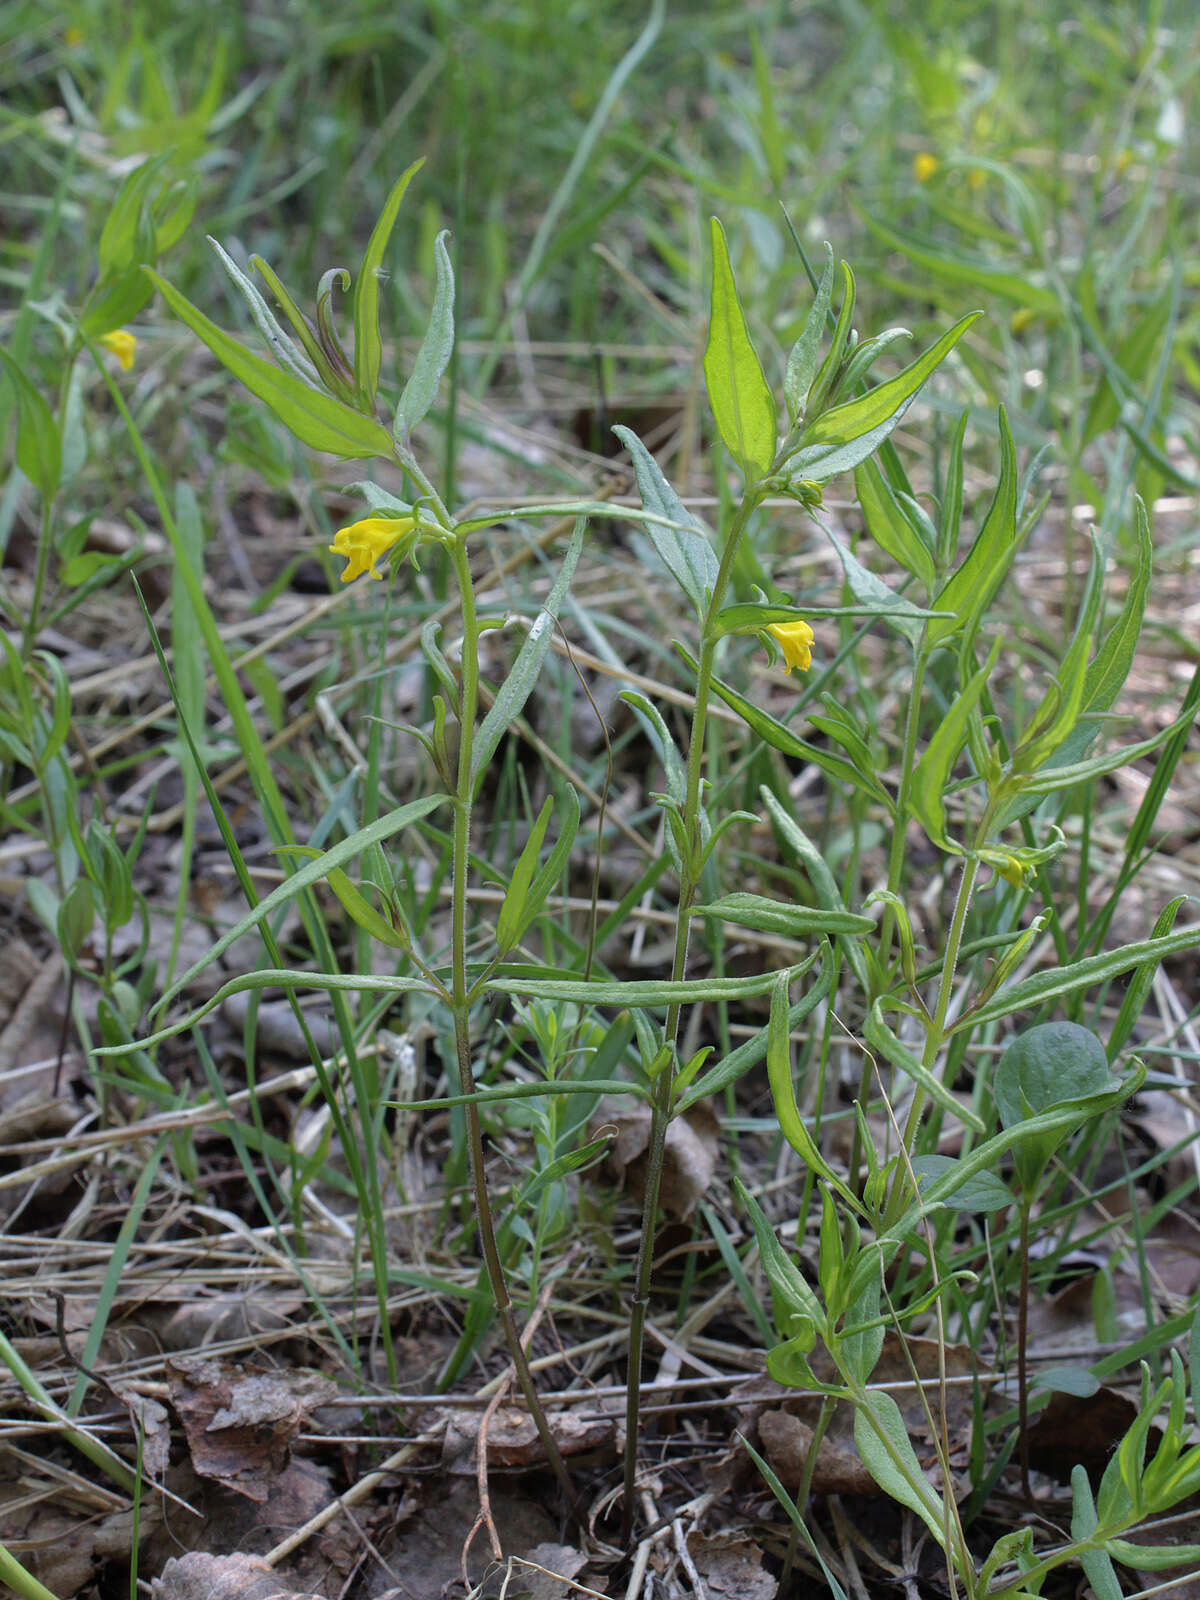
1080	1430
198	1576
512	1439
690	1163
240	1425
731	1566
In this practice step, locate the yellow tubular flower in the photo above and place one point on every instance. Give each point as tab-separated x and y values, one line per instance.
362	543
122	344
795	640
924	166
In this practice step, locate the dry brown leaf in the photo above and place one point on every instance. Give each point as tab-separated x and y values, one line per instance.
239	1424
731	1566
1081	1430
690	1163
199	1576
512	1439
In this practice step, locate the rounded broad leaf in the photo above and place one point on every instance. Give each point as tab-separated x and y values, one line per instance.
1050	1065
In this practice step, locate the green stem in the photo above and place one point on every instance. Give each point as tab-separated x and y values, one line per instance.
935	1033
461	1010
908	761
1022	1345
662	1104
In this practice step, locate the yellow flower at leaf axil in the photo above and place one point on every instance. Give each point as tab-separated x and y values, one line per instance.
362	543
924	166
122	344
795	640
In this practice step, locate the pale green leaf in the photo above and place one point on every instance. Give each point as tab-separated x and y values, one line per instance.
741	398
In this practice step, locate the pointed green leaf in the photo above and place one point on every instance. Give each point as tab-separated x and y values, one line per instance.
882	1441
316	419
818	393
685	549
639	992
39	447
780	737
967	592
320	368
1060	709
434	355
512	908
888	525
802	363
864	357
741	399
314	370
839	439
881	1038
952	496
1057	982
933	771
517	687
778	916
368	349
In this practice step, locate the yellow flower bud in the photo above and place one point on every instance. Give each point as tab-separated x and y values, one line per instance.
1022	319
924	166
795	640
122	344
362	543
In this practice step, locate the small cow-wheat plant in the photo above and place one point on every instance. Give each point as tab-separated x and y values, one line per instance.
987	794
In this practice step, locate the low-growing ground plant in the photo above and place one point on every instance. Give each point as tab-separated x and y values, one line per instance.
989	793
868	860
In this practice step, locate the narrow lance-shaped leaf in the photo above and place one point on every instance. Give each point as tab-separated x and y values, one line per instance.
888	525
318	420
932	772
780	737
647	992
823	382
886	1451
802	363
302	327
316	369
434	355
368	349
1060	709
1057	982
966	594
516	688
741	398
685	551
777	916
839	439
39	447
